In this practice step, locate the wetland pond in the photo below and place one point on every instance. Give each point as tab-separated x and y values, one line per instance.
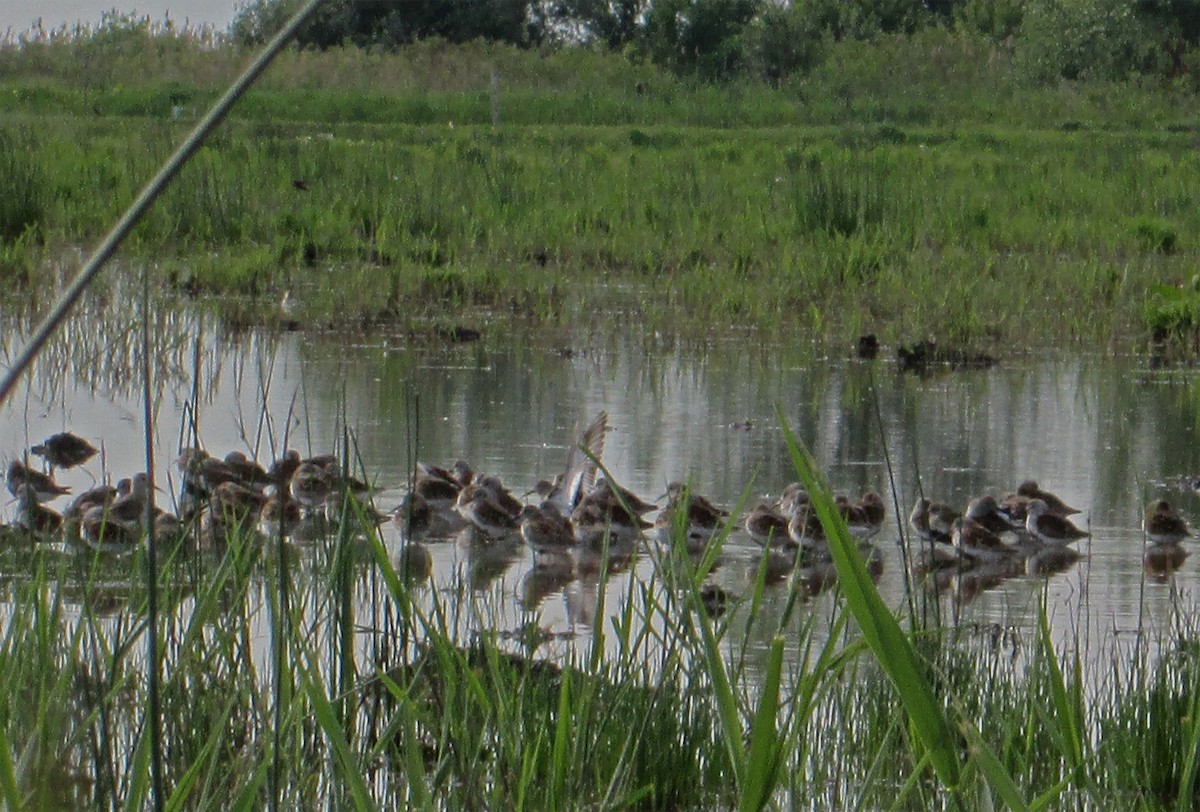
1106	434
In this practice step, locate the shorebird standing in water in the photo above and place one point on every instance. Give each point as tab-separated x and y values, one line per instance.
42	486
700	517
569	486
1049	528
1163	525
545	529
478	504
985	511
768	526
933	521
311	487
1054	506
978	543
34	516
64	450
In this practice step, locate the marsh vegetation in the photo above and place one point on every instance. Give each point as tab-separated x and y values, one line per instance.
369	194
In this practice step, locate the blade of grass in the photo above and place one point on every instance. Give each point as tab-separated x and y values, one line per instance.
766	747
327	717
248	799
992	768
883	634
135	797
8	774
562	738
723	696
1066	713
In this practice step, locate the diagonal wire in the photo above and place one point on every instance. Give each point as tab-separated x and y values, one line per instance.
148	195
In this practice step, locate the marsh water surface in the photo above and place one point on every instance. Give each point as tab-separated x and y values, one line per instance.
1106	434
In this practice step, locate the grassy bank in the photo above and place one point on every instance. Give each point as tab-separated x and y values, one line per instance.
960	205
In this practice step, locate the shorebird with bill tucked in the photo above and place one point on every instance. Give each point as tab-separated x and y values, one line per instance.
34	516
768	527
984	510
478	504
977	543
545	529
1054	506
1163	525
1049	528
933	521
699	518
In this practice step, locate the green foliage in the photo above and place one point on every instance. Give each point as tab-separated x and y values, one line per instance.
783	41
612	23
386	24
837	197
1102	40
258	20
893	649
1172	313
1156	235
23	200
998	20
866	19
704	37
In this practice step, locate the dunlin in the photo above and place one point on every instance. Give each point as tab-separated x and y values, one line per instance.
64	450
545	529
978	543
478	506
1054	505
42	486
1163	525
985	511
311	486
34	516
794	496
577	476
701	517
1049	528
768	526
933	521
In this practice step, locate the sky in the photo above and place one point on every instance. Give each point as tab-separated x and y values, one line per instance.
20	15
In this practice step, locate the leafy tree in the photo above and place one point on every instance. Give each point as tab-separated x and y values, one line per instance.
705	37
998	20
783	41
864	19
612	23
1178	24
1102	40
390	24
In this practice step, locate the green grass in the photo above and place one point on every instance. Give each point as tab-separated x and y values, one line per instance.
964	203
978	236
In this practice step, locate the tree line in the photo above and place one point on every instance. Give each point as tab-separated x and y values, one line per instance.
769	39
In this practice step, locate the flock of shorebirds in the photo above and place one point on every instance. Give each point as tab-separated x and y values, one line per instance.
216	496
579	506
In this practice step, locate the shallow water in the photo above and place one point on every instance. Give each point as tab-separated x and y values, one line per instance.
1106	434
